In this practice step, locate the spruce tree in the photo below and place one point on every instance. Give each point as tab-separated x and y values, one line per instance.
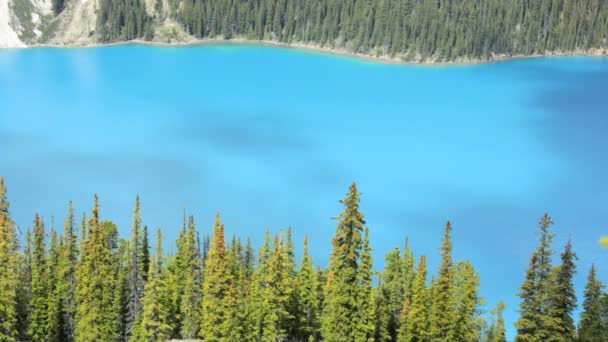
342	305
443	315
393	288
135	277
38	318
364	327
467	303
308	298
96	282
190	273
534	309
66	283
417	326
54	323
591	326
154	324
562	299
9	271
381	311
216	285
499	331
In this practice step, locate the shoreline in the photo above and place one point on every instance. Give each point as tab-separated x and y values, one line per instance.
341	52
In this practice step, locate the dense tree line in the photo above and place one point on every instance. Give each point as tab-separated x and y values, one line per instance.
123	20
409	29
93	285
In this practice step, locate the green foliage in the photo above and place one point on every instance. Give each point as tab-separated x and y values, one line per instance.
443	311
37	328
9	270
123	20
216	287
592	327
136	268
342	308
415	326
562	298
466	327
444	30
154	324
535	291
96	279
307	287
84	292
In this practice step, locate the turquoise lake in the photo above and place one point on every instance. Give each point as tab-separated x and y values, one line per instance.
272	138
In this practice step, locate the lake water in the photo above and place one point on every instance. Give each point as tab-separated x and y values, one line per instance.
272	138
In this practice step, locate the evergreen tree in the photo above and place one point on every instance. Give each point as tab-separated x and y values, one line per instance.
39	282
66	274
364	327
342	305
532	325
443	315
96	282
467	326
381	312
54	323
416	314
154	324
9	271
307	297
499	331
136	264
562	299
591	326
216	285
393	289
190	273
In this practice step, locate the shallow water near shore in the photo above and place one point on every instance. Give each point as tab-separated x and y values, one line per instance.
272	137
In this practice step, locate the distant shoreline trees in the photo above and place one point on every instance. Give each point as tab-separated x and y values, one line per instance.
97	286
439	30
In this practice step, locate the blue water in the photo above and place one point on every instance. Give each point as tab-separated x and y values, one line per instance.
273	137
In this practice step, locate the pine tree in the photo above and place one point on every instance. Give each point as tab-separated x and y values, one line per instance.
381	311
532	324
498	330
591	326
190	294
393	289
135	277
443	315
154	324
39	280
216	285
467	303
562	299
96	282
9	270
307	297
364	328
66	282
54	323
341	307
416	313
260	294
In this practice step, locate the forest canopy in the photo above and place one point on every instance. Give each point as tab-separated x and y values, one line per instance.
441	30
87	283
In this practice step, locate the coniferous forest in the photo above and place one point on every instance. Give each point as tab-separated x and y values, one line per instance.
84	282
408	29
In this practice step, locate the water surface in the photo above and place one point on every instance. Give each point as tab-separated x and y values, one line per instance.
272	138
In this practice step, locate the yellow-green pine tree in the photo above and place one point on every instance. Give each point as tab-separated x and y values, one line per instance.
9	270
443	312
216	284
341	308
